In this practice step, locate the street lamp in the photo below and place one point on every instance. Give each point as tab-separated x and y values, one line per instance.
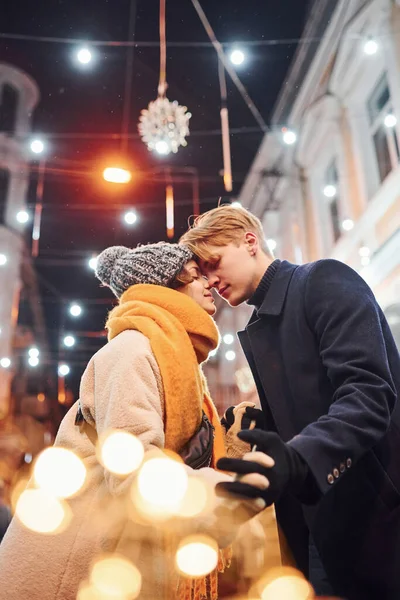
117	175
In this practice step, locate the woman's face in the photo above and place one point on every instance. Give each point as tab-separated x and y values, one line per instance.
199	289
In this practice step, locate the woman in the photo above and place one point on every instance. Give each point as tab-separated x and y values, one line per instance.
147	380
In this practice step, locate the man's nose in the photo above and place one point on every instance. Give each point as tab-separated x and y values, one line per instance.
212	281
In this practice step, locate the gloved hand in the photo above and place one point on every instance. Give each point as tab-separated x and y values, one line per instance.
281	469
247	412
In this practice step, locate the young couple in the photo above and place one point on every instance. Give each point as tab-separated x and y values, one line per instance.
328	375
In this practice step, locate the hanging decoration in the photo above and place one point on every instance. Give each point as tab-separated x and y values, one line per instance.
164	125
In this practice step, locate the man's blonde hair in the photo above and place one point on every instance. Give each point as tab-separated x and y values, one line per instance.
221	226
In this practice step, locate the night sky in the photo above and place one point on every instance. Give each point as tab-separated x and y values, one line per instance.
83	215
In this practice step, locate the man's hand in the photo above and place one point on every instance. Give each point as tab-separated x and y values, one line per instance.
274	468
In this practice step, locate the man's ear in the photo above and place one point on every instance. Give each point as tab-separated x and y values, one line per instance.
251	241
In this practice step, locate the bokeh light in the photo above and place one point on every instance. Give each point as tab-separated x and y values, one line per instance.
161	485
116	577
120	452
59	472
197	556
41	512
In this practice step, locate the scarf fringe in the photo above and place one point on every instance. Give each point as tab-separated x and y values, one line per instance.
205	588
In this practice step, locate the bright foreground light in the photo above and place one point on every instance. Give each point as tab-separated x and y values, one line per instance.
116	577
370	47
330	191
289	587
162	147
5	362
130	217
41	512
117	175
230	355
37	146
75	310
69	341
196	499
63	370
93	263
33	361
347	224
364	251
390	121
289	137
237	57
3	259
59	472
197	556
162	484
228	339
271	244
84	56
121	452
22	217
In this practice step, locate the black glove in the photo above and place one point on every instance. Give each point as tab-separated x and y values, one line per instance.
289	473
228	419
256	415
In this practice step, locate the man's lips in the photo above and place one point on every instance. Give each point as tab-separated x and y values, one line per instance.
222	291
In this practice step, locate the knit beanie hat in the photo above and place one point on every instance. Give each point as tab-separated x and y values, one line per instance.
119	267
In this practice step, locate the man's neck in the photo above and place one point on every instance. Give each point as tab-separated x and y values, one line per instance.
264	262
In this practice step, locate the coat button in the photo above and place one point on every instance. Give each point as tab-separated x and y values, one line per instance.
342	467
336	473
348	463
330	478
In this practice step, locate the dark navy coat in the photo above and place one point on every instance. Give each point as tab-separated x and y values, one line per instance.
328	374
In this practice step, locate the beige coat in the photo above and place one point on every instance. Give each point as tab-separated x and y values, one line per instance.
121	388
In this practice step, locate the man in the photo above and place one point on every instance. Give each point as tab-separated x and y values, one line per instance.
328	375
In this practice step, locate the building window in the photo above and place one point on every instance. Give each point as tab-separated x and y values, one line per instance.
383	128
331	192
8	109
4	187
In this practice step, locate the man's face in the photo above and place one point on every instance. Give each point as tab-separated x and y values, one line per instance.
231	270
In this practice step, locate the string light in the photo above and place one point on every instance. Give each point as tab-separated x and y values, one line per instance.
228	339
84	56
230	355
69	341
390	121
271	243
117	175
63	370
3	260
237	57
33	361
93	263
37	146
347	224
5	362
22	217
330	191
289	137
371	47
130	217
75	310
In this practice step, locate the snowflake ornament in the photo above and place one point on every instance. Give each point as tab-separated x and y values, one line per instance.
164	125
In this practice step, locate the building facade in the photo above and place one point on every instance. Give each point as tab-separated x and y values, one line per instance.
334	191
18	97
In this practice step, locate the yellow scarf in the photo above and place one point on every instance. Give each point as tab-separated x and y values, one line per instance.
181	335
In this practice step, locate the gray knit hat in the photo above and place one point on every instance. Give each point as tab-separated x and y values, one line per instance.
119	267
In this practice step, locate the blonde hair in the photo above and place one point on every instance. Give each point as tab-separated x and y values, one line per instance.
221	226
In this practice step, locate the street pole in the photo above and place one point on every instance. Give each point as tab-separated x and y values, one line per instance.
37	219
226	145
